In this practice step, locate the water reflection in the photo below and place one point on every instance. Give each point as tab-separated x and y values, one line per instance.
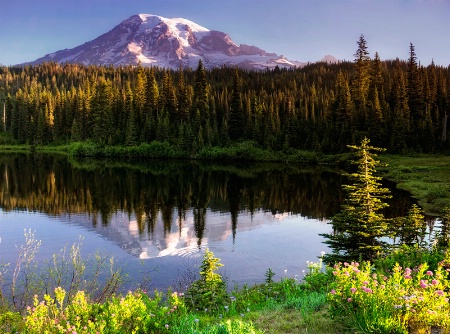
152	209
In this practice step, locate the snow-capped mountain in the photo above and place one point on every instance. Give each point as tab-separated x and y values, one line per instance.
158	41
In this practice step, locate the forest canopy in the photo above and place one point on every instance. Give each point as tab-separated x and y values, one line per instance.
400	105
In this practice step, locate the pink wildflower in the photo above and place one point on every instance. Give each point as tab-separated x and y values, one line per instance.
353	290
439	292
429	273
349	300
333	292
423	284
365	282
407	276
435	282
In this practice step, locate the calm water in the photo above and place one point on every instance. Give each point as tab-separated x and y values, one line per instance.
158	217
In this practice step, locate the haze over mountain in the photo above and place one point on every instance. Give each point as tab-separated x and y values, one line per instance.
167	42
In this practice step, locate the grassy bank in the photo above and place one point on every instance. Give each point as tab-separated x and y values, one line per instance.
426	177
345	298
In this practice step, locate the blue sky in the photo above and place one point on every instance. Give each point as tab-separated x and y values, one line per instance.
303	30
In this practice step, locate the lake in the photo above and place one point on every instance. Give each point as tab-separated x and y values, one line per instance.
157	217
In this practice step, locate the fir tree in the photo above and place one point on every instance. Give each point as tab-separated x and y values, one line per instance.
236	118
412	227
359	226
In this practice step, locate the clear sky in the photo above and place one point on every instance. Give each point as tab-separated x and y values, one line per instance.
303	30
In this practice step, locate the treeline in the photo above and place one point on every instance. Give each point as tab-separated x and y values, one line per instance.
400	105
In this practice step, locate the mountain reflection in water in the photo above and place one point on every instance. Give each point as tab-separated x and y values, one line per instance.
247	213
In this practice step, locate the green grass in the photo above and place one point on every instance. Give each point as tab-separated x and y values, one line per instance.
426	177
12	148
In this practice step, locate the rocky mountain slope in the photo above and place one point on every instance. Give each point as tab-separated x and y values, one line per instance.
167	42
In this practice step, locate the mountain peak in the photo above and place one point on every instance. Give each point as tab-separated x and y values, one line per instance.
154	40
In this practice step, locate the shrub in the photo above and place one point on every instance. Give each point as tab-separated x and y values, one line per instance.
209	292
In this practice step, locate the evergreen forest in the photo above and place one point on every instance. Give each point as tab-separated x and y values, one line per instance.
400	105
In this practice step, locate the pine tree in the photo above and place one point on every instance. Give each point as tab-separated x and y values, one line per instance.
415	95
361	82
359	226
443	238
101	112
140	95
236	117
411	229
201	91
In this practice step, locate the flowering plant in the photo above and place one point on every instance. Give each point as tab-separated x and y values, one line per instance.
394	303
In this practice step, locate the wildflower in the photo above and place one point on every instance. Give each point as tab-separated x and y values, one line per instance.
333	292
435	282
423	284
353	290
382	286
368	290
196	320
349	300
167	326
345	264
407	276
248	310
365	283
439	292
242	314
429	273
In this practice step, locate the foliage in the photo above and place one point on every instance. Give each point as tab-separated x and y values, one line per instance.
369	301
317	278
412	257
360	225
209	292
97	274
411	229
269	276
